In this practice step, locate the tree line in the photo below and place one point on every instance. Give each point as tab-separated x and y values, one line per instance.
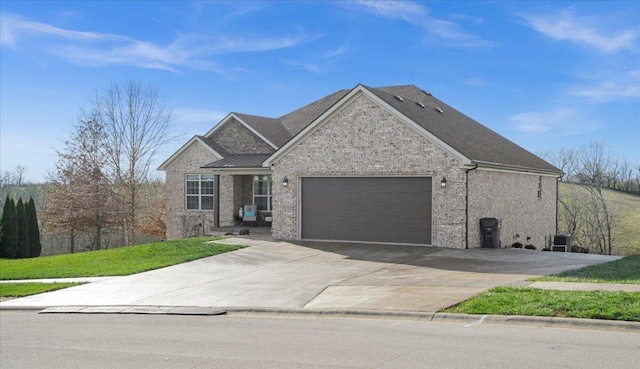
595	164
583	210
19	230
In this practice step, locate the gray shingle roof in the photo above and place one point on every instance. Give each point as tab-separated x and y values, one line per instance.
214	145
239	161
297	120
473	140
272	129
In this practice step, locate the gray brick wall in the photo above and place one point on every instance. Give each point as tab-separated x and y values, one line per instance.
181	222
514	198
237	139
364	139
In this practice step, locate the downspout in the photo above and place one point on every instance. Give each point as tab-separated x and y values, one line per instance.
557	199
466	205
216	201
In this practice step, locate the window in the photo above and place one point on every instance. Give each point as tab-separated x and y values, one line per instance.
262	192
200	191
539	187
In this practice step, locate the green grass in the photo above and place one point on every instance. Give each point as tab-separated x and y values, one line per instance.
625	270
626	206
26	289
113	262
607	305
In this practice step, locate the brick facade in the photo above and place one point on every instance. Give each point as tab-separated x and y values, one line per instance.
180	221
513	197
363	139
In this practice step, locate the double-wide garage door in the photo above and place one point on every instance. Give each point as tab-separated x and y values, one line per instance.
369	209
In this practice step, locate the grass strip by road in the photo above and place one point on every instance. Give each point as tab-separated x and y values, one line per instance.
27	289
528	301
113	262
625	271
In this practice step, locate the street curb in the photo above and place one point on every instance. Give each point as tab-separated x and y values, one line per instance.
539	321
467	319
355	313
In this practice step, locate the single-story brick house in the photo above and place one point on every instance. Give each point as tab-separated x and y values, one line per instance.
385	165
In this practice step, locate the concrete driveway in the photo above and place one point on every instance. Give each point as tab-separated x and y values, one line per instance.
319	275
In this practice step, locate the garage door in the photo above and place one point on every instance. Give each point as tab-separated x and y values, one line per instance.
370	209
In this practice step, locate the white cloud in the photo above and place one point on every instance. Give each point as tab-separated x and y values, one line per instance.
307	66
565	26
103	49
190	115
449	32
558	122
336	52
474	20
14	26
407	11
476	82
608	91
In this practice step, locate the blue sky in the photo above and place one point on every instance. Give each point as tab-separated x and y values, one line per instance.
544	74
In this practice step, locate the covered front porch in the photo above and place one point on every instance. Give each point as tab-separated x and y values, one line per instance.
244	191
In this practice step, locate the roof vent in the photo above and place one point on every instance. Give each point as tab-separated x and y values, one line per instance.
439	110
427	92
420	104
398	97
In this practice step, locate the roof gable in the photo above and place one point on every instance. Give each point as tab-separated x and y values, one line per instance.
210	145
232	118
458	134
344	101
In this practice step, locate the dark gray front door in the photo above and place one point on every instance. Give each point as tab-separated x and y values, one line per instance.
371	209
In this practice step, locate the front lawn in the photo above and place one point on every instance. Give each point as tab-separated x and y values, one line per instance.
26	289
607	305
113	262
625	270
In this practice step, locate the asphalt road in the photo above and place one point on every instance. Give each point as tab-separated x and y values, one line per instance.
31	340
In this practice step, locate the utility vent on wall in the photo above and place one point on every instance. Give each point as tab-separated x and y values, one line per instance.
398	97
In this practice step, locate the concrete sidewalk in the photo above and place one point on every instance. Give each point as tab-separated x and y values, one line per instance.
314	275
576	286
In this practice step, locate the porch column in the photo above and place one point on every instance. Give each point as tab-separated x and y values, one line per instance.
226	206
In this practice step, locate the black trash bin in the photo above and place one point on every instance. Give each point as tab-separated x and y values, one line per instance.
490	228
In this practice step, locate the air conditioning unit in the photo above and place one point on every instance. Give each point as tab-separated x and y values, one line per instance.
561	243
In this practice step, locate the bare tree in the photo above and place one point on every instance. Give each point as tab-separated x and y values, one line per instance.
595	161
79	196
20	171
135	119
563	159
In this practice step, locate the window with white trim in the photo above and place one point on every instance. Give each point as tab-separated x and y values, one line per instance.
262	192
200	190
